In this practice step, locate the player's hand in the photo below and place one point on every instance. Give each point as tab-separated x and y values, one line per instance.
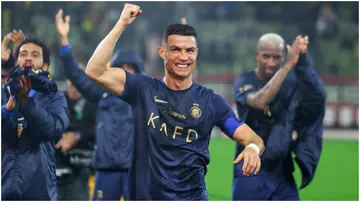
129	13
25	86
293	51
11	104
183	21
62	26
5	51
303	44
17	38
67	141
251	159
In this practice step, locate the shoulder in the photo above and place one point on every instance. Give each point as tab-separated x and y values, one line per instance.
245	80
202	90
208	93
249	75
141	79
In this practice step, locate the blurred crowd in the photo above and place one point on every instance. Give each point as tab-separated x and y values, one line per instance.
228	30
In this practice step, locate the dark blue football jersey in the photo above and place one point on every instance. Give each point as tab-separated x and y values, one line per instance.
171	140
276	119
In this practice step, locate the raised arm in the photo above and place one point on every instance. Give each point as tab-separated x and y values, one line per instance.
112	79
310	83
262	98
87	87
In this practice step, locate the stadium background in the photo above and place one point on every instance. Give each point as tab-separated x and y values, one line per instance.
228	32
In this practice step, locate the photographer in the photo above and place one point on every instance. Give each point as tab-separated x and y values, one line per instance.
33	116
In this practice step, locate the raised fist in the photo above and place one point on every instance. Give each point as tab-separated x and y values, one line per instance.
129	13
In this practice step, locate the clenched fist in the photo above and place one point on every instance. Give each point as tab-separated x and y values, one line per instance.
129	13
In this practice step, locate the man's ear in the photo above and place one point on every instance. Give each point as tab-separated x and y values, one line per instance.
257	55
161	52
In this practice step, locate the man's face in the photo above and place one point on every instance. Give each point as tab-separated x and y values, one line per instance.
269	58
5	74
31	55
179	55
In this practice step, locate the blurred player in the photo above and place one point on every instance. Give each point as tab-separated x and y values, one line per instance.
174	117
274	102
31	121
75	147
114	122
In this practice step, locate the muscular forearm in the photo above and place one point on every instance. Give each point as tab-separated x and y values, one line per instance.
102	55
262	98
244	135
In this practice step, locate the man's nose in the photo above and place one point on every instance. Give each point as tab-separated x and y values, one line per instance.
183	55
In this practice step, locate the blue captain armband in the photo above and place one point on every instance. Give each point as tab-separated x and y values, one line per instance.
230	126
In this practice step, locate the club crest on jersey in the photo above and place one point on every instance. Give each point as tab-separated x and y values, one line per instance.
20	126
195	111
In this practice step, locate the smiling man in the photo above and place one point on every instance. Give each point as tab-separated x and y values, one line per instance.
174	117
275	100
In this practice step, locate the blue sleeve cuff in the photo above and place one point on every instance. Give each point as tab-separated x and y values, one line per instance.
230	126
32	93
65	49
5	113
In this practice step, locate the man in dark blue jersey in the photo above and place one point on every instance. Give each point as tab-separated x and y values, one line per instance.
274	102
114	121
174	117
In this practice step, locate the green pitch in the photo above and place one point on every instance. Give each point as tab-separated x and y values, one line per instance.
336	177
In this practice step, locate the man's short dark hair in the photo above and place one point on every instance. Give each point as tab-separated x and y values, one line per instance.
45	50
179	29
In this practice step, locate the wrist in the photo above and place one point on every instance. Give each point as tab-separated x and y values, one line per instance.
255	147
5	58
121	24
64	41
288	66
8	108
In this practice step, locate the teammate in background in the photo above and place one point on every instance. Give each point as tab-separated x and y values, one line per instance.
114	124
174	117
274	102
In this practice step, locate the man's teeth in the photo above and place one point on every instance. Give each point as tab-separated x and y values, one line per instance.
182	66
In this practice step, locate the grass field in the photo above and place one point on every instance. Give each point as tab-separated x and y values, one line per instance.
336	178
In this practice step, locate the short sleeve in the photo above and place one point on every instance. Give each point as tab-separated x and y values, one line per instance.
132	88
222	110
226	118
242	88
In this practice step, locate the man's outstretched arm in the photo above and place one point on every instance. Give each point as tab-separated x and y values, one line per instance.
112	79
